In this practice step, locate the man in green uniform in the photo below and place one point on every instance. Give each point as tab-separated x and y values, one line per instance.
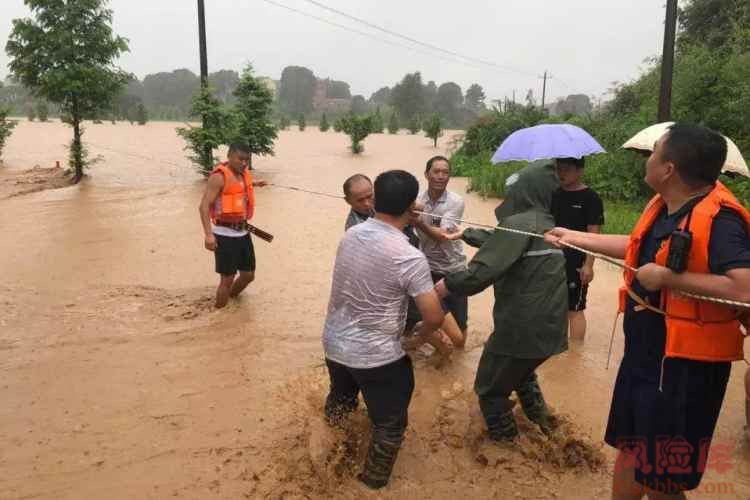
531	300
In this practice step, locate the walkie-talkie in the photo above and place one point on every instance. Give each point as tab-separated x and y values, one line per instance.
679	247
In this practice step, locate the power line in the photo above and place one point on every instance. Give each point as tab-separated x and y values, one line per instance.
419	42
368	35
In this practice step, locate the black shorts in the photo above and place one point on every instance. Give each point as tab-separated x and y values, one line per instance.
457	305
234	254
576	291
660	428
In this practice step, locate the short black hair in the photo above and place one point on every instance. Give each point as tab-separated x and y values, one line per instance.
395	191
238	147
576	162
350	182
433	160
697	152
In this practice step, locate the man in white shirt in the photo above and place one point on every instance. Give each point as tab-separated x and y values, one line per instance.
376	271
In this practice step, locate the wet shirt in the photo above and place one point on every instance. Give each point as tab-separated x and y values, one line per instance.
444	256
577	210
376	271
645	331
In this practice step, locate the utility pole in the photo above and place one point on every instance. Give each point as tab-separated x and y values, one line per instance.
207	152
667	63
544	86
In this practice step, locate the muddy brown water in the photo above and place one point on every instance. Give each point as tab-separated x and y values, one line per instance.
119	381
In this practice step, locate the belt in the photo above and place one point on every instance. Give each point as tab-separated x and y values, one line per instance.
237	226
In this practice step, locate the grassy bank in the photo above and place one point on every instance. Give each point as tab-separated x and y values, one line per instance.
489	180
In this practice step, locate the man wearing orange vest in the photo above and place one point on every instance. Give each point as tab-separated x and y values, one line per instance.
692	237
227	206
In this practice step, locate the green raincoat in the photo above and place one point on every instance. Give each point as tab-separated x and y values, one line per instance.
531	300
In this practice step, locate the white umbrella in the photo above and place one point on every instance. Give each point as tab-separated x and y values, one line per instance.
646	138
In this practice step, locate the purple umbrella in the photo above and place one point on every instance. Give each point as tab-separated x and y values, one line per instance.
545	142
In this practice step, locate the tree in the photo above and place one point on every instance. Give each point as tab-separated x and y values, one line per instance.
297	90
170	93
301	123
415	125
214	132
253	110
377	122
381	97
338	125
359	105
357	128
284	122
6	128
141	115
430	96
408	97
66	55
475	97
42	110
433	127
449	101
338	90
393	124
224	82
324	125
30	111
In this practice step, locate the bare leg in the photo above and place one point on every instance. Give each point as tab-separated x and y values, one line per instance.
244	279
576	325
624	486
224	289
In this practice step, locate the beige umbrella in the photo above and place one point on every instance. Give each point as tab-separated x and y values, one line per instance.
646	138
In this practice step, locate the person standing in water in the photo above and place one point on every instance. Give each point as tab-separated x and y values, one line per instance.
227	205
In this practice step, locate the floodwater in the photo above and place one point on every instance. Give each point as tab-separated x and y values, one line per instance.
117	380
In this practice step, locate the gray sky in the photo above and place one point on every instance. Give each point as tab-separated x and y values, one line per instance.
585	44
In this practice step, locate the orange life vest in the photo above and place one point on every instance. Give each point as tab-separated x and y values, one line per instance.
696	329
237	200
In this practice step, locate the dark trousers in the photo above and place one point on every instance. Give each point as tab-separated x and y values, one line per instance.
499	375
387	393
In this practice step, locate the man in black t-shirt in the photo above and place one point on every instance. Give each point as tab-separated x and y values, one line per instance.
576	206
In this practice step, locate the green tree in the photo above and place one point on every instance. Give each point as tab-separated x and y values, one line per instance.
338	125
448	103
202	140
338	90
381	97
359	105
393	124
284	122
6	128
433	127
66	55
414	125
377	122
42	110
297	90
253	110
141	115
474	99
30	111
357	128
301	122
408	97
324	125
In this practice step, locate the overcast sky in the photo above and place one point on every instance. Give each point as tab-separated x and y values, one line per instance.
585	44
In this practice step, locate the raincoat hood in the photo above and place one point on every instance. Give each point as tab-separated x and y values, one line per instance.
529	189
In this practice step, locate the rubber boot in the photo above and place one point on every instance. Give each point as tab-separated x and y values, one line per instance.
381	457
533	404
501	425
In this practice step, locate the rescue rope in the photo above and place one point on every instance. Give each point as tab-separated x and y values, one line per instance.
596	255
